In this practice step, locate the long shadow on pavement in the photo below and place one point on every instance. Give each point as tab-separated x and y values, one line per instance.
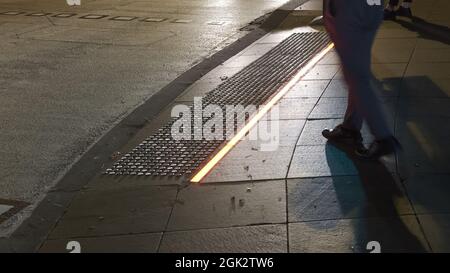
379	219
422	126
426	29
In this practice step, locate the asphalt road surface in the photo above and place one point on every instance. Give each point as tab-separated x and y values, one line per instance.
65	81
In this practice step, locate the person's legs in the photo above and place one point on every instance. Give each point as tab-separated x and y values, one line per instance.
363	102
405	9
353	120
389	11
355	28
349	130
392	3
353	31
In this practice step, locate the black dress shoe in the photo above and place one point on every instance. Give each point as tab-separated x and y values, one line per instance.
343	135
380	148
389	14
406	12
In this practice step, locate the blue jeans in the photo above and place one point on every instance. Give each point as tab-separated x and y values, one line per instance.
352	26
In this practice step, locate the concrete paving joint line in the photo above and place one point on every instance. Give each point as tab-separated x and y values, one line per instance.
30	235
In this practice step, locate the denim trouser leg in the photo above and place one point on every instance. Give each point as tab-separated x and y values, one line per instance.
352	25
393	2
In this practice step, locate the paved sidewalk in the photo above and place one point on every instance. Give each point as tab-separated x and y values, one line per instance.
71	74
307	196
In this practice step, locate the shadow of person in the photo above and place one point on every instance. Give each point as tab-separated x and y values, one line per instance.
426	29
378	218
423	128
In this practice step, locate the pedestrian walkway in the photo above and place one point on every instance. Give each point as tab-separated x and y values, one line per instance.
307	195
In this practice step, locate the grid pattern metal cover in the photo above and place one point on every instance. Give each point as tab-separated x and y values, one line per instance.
161	155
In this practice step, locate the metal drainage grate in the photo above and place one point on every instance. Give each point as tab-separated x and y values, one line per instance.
161	155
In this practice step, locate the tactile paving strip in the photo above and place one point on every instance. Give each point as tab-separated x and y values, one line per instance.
161	155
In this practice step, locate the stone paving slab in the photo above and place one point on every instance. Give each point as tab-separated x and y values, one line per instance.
344	197
389	70
382	71
258	49
427	132
250	239
322	72
289	108
336	89
331	58
436	70
257	159
393	50
226	205
140	243
198	89
123	210
240	61
82	77
329	160
424	107
294	108
285	133
429	193
308	89
423	43
312	132
275	37
247	163
415	86
386	88
417	161
221	73
437	230
325	160
425	142
328	108
352	235
435	55
334	202
395	33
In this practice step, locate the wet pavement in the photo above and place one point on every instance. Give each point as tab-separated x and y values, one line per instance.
69	77
307	195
